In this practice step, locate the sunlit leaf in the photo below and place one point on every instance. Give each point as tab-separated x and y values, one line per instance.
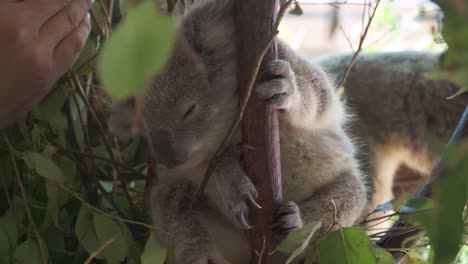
383	256
347	246
137	50
297	241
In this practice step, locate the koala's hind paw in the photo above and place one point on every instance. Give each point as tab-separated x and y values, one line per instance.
277	84
287	219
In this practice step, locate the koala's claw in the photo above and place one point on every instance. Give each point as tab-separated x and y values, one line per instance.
287	219
252	200
242	191
278	84
242	219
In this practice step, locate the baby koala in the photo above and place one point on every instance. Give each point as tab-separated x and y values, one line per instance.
188	113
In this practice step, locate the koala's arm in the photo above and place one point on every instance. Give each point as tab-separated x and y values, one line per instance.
316	149
314	104
342	191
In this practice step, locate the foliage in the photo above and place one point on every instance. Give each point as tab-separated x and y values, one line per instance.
71	193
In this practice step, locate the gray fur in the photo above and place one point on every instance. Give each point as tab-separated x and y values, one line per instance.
187	113
399	114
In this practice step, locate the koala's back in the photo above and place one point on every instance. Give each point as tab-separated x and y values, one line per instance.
397	111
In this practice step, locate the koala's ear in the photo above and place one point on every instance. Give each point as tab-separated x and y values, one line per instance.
182	6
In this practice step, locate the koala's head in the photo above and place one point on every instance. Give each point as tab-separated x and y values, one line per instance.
188	111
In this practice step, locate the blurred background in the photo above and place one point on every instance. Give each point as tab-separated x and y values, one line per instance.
330	27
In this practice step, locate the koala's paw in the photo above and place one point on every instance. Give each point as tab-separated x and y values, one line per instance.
287	219
121	119
200	254
241	193
277	84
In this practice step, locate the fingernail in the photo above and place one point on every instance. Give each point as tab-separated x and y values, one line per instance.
88	17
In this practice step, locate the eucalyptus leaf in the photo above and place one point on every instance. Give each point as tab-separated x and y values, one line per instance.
137	50
28	253
107	230
446	231
44	166
85	231
4	246
297	241
349	245
154	252
383	256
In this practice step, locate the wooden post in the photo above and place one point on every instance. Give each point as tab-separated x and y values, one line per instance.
254	26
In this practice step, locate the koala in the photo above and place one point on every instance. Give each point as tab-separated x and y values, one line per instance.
399	115
187	114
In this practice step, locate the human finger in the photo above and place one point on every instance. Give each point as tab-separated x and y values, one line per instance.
65	21
70	47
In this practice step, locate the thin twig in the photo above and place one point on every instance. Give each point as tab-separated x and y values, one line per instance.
101	248
243	102
93	114
42	248
94	208
359	49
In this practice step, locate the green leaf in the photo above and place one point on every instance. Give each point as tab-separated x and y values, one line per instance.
297	241
297	10
44	166
56	198
347	246
137	50
4	246
28	253
49	108
417	211
154	252
85	232
9	223
106	230
383	256
447	226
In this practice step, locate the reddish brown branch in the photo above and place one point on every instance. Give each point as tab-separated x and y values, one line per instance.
255	23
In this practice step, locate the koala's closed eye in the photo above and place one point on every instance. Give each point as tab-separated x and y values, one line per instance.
190	111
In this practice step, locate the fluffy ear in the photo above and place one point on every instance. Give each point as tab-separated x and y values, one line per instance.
182	6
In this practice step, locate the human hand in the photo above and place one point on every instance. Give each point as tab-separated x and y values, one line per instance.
40	40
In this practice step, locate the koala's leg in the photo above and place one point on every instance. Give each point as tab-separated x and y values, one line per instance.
341	200
237	191
177	222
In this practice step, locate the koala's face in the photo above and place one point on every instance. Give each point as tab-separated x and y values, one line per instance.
188	112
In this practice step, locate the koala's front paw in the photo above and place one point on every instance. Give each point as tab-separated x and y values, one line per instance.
241	193
287	219
201	253
277	84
